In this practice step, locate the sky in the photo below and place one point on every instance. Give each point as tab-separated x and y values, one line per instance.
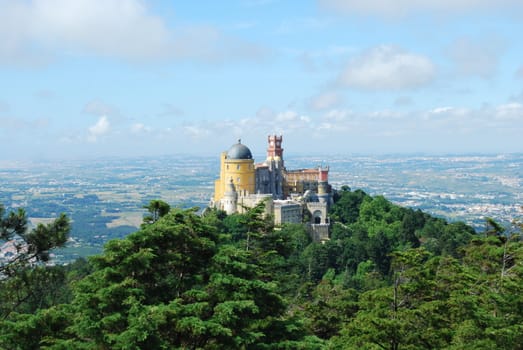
121	78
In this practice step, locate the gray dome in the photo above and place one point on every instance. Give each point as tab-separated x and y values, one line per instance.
239	151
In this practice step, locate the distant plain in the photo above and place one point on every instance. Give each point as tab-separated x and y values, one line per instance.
104	197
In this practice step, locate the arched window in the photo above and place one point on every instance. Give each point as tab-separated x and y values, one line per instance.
316	217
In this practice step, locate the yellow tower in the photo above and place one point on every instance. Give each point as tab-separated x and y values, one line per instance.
237	165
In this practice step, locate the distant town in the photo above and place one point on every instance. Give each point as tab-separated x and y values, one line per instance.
105	197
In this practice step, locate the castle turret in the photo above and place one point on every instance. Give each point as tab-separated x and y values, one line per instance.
323	186
323	174
274	151
270	174
230	198
236	164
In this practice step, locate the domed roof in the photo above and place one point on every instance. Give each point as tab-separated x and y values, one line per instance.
239	151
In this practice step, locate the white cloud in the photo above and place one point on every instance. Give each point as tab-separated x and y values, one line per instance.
441	128
476	57
98	108
170	110
196	131
387	68
440	110
516	97
384	115
292	120
337	115
402	8
138	128
34	32
263	123
112	28
519	73
101	127
510	111
376	130
337	120
325	100
323	58
209	44
449	119
14	124
287	116
118	28
501	120
433	123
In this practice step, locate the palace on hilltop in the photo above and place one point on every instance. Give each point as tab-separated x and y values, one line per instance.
289	195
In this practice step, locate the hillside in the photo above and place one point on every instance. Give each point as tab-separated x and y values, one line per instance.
389	278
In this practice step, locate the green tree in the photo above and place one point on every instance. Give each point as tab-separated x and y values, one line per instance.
346	208
155	265
21	283
31	246
157	209
441	302
257	224
331	306
37	330
174	285
316	256
412	222
387	316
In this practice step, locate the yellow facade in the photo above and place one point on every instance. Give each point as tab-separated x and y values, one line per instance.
242	173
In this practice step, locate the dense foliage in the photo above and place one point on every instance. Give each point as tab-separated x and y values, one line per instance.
389	278
25	283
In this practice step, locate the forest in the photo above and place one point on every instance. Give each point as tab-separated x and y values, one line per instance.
388	278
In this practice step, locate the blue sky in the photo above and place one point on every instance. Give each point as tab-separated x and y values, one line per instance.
90	78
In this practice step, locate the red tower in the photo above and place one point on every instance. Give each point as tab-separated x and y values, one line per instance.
274	149
323	174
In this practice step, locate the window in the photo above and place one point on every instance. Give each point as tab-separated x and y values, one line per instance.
238	167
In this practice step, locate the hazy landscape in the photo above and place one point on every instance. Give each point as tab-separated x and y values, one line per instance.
104	197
